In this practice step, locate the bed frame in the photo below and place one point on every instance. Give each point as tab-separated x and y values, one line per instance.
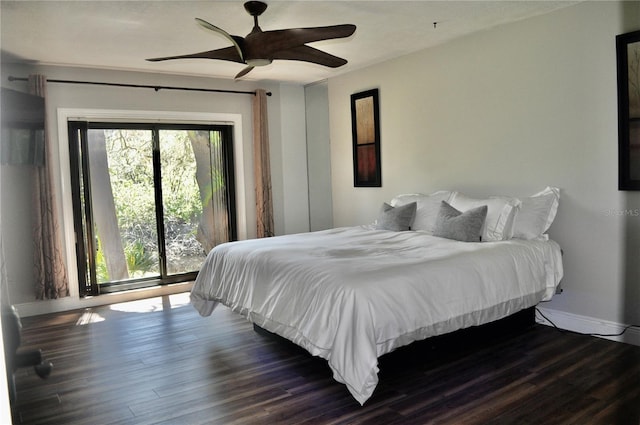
456	342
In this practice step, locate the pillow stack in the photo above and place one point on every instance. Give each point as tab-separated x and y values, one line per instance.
455	216
500	215
509	217
427	208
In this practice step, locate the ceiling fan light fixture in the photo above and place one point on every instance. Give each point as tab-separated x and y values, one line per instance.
258	62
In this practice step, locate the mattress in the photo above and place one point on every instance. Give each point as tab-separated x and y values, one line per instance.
352	294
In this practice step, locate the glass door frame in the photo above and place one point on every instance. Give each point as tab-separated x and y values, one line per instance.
83	220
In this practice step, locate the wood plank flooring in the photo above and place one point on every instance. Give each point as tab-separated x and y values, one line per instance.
158	362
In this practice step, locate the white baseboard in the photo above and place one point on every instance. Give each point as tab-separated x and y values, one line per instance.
589	325
73	303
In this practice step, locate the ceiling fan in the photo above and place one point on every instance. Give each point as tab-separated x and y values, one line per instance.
260	48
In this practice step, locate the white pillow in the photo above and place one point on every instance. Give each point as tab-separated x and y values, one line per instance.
500	214
427	208
536	214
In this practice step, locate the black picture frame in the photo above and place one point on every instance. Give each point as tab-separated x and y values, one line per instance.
365	126
628	62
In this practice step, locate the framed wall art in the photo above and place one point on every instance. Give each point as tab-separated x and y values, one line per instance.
365	125
628	55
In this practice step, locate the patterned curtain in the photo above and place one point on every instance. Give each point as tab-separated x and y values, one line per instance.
51	278
261	167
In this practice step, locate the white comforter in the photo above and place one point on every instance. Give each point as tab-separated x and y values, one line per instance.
351	294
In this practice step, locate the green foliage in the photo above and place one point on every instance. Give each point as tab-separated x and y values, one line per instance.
101	266
187	183
180	192
139	260
131	170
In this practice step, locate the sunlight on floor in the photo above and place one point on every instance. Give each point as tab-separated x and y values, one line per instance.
89	317
166	302
147	305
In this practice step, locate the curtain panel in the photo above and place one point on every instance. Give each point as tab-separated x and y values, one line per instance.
50	273
261	167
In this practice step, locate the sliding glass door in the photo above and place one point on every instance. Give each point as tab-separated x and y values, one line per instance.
150	201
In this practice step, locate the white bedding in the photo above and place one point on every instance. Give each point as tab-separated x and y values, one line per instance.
351	294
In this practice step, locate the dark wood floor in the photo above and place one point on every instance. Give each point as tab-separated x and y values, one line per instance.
158	362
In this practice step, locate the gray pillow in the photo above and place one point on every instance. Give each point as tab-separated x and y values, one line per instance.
396	218
460	226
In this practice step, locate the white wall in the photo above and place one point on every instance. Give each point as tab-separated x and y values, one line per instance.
293	154
507	112
319	156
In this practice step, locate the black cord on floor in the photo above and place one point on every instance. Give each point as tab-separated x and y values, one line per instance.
582	333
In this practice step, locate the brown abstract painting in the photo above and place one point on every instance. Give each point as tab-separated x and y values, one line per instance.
366	139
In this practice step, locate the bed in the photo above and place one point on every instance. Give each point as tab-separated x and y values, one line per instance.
352	294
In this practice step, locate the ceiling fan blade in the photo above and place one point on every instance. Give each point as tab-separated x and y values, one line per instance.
237	41
244	72
277	40
227	54
310	54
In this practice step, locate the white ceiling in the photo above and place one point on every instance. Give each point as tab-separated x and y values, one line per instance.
121	34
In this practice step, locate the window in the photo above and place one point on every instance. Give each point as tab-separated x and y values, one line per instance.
149	201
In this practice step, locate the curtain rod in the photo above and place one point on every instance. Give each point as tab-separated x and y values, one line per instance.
139	86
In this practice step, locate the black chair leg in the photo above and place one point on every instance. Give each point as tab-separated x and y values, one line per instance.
14	357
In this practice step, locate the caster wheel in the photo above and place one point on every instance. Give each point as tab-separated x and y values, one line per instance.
43	369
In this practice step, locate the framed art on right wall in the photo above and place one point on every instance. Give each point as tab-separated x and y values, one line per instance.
628	56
